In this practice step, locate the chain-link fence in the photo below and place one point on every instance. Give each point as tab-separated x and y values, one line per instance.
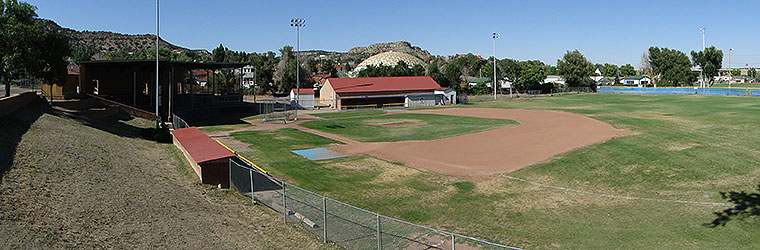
572	90
348	226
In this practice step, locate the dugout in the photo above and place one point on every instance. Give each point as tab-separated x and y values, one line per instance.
209	159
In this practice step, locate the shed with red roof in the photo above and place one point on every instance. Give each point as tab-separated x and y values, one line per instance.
209	159
342	93
305	97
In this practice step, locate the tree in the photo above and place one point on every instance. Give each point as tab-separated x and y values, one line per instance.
746	205
710	60
627	70
17	27
285	72
752	73
736	72
646	67
670	67
575	68
609	70
531	76
219	54
49	54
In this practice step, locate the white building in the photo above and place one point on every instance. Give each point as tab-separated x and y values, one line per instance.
249	75
305	98
554	79
641	81
449	95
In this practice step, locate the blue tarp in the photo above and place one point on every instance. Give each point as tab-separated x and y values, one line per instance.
316	154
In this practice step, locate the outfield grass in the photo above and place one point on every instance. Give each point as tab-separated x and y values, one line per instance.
346	114
405	126
224	127
679	148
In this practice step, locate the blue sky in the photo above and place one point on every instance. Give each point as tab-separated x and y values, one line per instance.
604	31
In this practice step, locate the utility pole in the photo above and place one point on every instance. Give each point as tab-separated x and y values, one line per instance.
495	80
298	23
158	117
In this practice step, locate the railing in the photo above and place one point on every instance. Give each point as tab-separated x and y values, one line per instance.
346	225
178	123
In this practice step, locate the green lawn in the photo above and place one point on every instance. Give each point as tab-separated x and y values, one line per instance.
346	114
405	126
679	147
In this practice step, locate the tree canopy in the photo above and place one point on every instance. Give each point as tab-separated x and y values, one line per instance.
670	67
710	60
627	70
575	68
27	46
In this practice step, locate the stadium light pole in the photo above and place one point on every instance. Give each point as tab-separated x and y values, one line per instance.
729	66
494	81
298	23
158	118
701	73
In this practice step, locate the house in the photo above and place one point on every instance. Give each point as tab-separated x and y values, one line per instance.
597	75
554	79
305	97
739	79
249	75
606	81
408	91
641	81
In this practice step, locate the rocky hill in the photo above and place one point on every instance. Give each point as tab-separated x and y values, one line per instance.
102	42
358	54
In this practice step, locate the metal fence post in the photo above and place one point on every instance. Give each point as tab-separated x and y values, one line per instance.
453	245
250	173
324	219
284	207
379	240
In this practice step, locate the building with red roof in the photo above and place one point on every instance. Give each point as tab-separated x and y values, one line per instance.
408	91
305	97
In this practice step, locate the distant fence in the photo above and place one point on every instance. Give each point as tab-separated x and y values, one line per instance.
346	225
572	90
681	91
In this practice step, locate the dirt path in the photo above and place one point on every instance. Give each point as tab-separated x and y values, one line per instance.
476	156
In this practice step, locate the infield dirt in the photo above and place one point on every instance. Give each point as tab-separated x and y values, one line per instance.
478	156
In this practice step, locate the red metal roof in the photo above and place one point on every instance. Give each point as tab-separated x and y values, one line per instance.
308	90
201	147
381	84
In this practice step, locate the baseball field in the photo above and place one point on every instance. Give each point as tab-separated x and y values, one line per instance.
575	171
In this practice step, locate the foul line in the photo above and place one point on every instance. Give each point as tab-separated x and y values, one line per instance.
618	196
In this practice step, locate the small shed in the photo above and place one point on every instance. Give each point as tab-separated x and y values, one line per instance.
449	96
65	90
209	160
305	97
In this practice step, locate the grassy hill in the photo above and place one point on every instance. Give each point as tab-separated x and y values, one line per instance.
68	181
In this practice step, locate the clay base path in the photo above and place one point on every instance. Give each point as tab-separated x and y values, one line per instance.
477	156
